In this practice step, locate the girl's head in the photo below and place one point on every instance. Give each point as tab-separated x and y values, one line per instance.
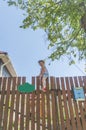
41	63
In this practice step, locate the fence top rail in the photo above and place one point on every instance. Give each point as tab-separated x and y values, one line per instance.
53	83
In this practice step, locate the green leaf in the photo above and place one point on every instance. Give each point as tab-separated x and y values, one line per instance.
62	22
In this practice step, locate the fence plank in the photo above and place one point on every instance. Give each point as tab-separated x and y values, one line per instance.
7	105
80	81
52	82
83	84
48	106
33	106
12	104
38	103
71	82
43	111
33	111
22	107
62	125
27	111
65	104
70	104
79	127
2	100
82	116
17	116
76	82
53	94
82	108
84	80
54	117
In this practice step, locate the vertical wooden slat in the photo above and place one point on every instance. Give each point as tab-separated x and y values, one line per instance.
47	84
2	99
48	105
12	104
33	112
71	82
27	111
84	81
33	95
84	86
43	111
82	107
54	116
62	126
82	116
22	107
38	103
79	127
76	82
38	83
65	104
17	105
80	81
7	104
52	82
33	81
38	110
70	104
57	106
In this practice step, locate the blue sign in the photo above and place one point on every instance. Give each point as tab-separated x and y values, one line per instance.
79	93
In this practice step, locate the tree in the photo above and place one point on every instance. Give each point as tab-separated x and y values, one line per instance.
64	22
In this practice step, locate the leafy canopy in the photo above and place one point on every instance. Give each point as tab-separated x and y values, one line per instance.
62	20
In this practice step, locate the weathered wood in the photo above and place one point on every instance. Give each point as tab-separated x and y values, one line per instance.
70	104
82	116
43	111
22	107
60	105
79	126
27	111
54	109
33	106
38	104
65	105
33	112
54	116
17	116
6	104
48	106
2	101
12	104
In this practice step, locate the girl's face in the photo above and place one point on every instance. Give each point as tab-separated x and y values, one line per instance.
41	64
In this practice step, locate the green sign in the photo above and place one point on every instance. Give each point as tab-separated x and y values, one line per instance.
26	88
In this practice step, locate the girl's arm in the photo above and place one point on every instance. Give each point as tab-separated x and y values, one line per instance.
43	70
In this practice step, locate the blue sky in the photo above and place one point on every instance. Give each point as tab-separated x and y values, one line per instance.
26	47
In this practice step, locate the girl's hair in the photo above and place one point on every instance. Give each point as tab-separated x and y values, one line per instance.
41	61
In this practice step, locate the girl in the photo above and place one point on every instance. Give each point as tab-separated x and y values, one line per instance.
43	74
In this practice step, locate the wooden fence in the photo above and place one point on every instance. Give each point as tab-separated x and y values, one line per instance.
54	109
